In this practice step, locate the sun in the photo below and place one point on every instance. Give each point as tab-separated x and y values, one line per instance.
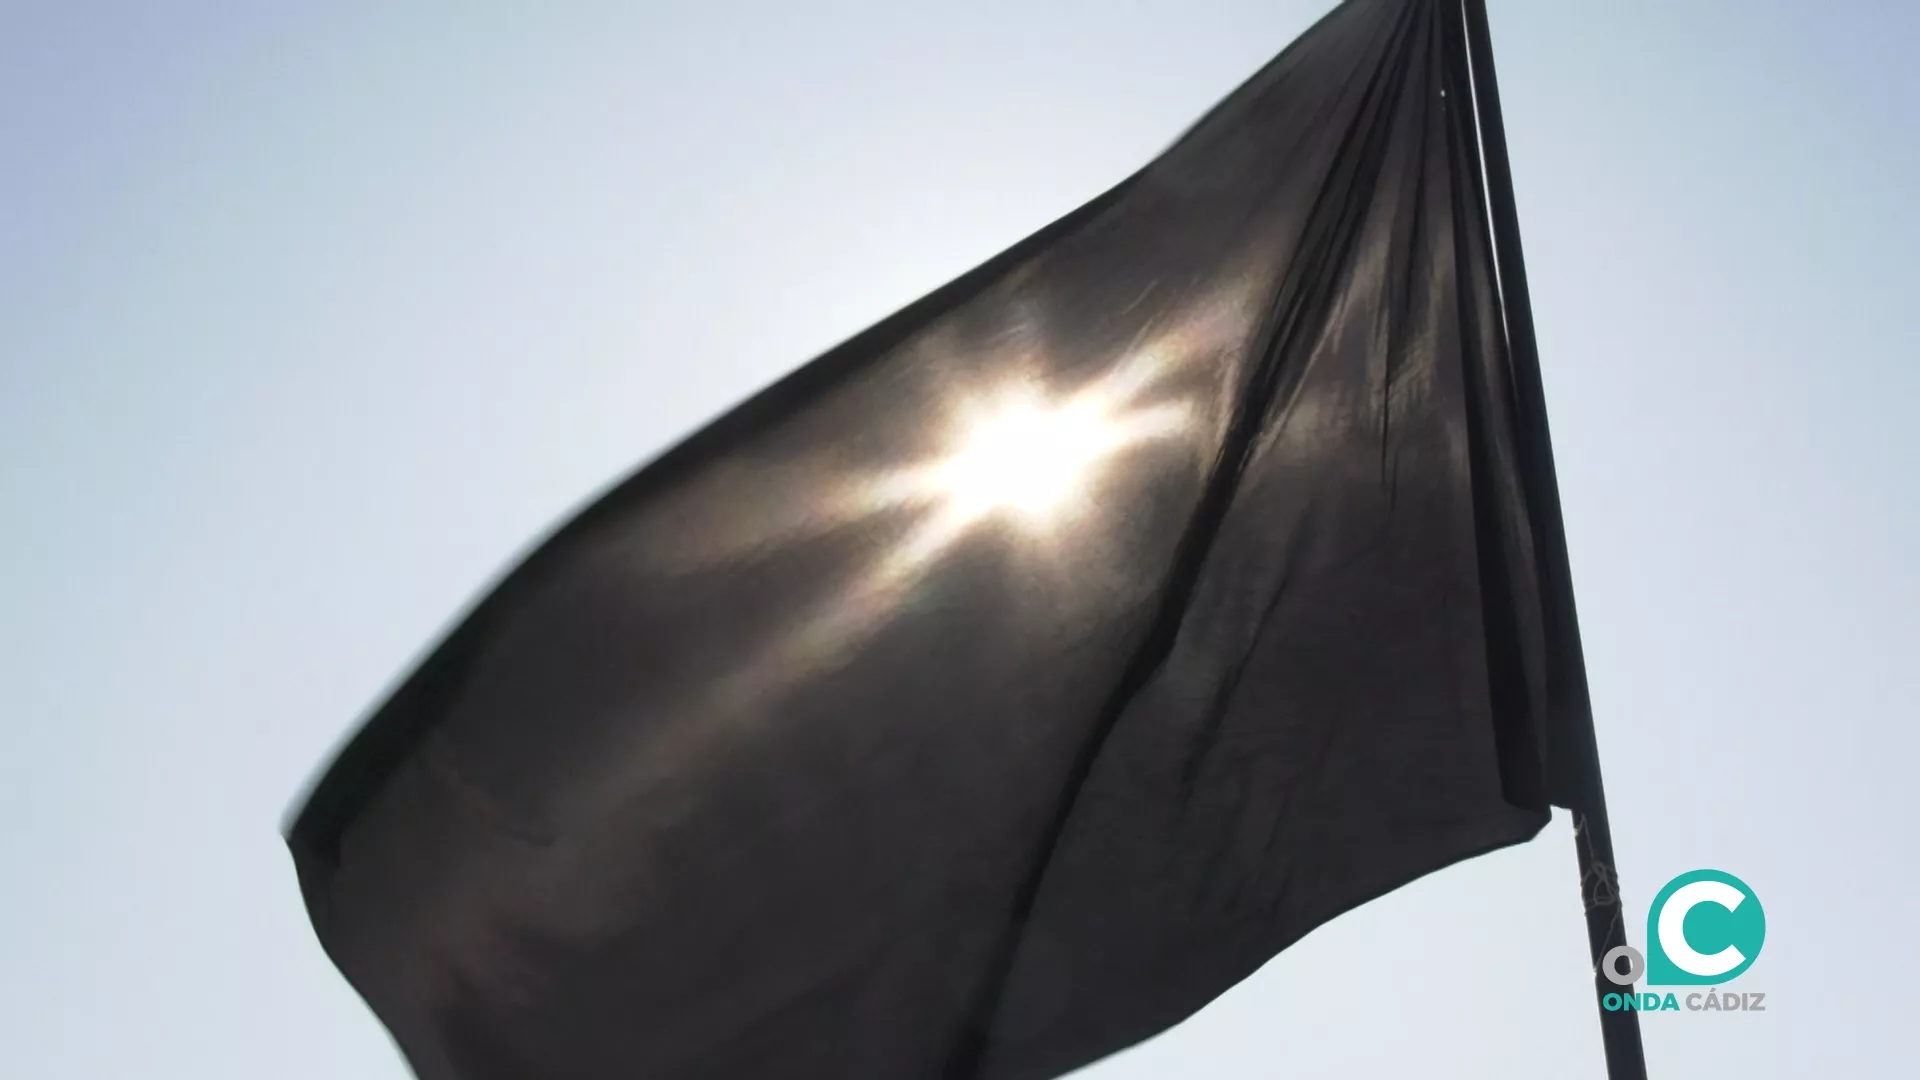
1016	454
1025	456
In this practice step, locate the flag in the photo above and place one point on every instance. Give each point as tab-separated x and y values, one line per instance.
999	688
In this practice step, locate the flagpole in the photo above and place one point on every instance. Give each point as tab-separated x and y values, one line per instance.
1574	768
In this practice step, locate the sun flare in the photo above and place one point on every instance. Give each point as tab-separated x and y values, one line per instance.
1024	456
1037	460
1015	454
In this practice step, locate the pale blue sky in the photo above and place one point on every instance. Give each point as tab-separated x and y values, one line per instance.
313	315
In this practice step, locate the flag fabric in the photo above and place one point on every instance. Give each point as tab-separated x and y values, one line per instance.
1004	685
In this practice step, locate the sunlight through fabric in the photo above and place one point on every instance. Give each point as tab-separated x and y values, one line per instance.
1016	457
1024	456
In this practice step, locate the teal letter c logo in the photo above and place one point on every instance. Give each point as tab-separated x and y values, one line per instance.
1705	926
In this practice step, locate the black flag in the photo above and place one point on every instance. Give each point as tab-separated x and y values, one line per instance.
1003	686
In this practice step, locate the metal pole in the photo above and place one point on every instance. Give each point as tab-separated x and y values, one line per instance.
1573	757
